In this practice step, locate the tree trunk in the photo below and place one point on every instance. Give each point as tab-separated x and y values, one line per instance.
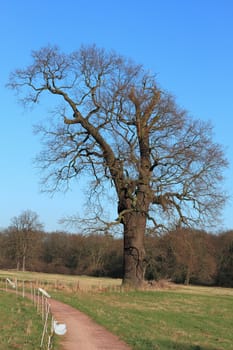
187	277
24	262
134	252
24	257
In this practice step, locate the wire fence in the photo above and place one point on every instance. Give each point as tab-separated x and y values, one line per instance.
37	289
40	299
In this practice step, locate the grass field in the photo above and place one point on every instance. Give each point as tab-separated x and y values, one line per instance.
181	318
20	326
164	320
53	280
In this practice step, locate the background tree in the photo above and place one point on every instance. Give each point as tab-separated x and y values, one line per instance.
113	122
24	238
55	252
2	250
225	259
191	255
156	258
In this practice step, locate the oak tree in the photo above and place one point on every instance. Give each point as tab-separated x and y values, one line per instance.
112	121
24	237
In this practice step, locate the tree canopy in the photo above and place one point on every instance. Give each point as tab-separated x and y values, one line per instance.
114	123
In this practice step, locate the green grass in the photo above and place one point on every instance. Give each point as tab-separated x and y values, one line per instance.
21	327
163	320
180	318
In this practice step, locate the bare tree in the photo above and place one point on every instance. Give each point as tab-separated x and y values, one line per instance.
113	121
23	236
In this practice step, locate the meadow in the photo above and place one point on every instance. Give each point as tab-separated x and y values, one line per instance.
175	317
20	326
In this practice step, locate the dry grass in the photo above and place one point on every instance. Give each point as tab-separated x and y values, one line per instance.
61	282
214	291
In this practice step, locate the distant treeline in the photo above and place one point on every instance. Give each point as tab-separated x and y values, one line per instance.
183	256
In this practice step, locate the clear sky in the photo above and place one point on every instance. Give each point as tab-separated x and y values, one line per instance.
188	43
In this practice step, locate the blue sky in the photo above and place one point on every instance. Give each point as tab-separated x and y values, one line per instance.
188	43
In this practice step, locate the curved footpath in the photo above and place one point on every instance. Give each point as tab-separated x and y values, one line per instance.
82	332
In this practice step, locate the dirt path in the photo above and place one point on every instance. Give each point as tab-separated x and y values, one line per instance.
82	332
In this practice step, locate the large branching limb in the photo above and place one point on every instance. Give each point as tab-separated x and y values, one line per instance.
158	227
93	224
108	154
187	209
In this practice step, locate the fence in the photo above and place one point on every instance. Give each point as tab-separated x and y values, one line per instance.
40	299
